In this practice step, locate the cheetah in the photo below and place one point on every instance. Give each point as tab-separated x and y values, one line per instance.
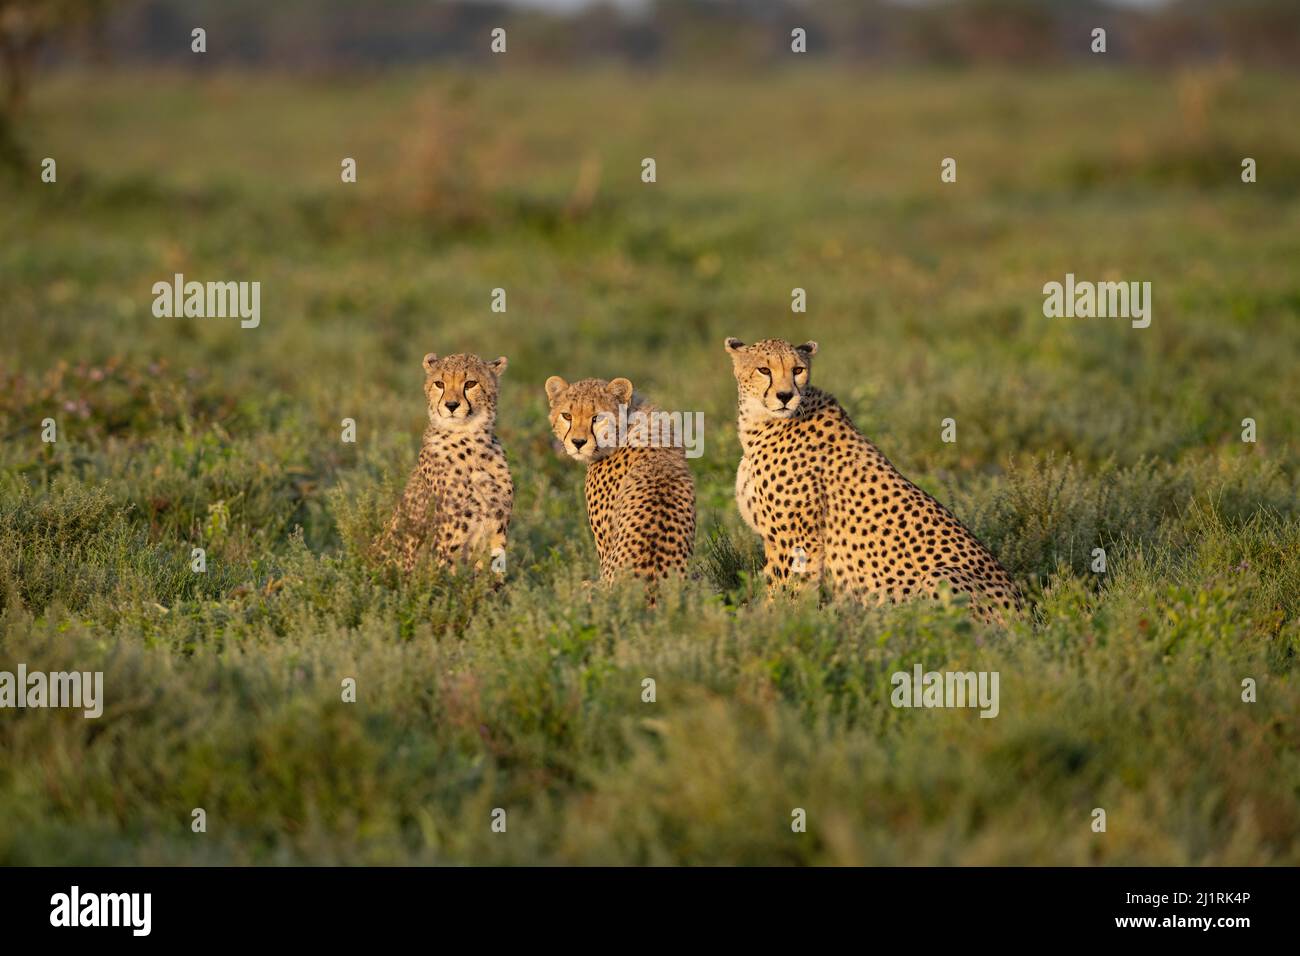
640	495
830	506
458	500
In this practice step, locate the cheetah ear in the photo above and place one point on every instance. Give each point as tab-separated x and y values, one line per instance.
622	390
555	386
429	361
808	348
498	366
734	345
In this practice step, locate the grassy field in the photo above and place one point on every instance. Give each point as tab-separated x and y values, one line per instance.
1119	691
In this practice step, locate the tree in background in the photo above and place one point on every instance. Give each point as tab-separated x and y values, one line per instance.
25	26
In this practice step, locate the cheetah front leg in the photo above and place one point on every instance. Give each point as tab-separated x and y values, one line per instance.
795	546
496	551
745	494
452	540
794	563
808	561
493	495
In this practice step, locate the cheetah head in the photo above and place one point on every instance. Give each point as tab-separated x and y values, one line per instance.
771	376
584	415
462	390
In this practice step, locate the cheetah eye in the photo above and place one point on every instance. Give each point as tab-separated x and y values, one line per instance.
471	383
766	371
566	416
800	370
594	419
439	384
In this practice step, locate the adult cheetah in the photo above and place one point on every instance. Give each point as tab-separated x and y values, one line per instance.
640	495
458	500
828	504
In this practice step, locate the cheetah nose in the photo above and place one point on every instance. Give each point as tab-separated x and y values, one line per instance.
452	406
785	396
579	442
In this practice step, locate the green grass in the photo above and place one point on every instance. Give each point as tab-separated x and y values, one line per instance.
1120	691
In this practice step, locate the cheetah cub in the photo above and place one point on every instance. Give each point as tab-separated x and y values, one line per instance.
640	497
829	505
458	500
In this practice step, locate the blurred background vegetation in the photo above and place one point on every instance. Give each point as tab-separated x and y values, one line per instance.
754	33
1121	690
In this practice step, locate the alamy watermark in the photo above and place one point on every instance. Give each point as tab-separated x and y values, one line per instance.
82	690
946	689
208	300
655	428
75	908
1086	300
